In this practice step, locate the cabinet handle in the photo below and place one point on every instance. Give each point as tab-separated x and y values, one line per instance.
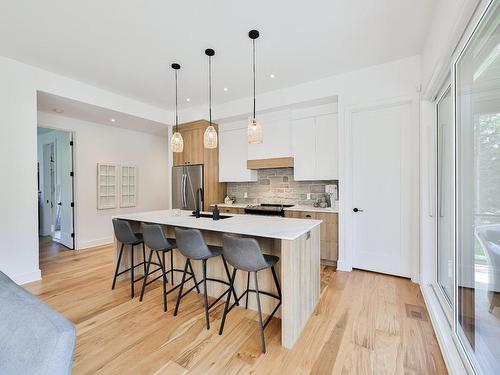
308	216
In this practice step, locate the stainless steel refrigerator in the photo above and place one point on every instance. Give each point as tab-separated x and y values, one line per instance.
187	187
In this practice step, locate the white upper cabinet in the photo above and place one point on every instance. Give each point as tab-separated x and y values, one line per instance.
233	153
315	143
277	137
309	134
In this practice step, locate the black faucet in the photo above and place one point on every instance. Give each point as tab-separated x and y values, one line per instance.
199	202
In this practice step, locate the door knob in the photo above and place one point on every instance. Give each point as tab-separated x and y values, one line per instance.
355	209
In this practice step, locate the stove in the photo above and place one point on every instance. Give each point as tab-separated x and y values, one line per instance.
267	209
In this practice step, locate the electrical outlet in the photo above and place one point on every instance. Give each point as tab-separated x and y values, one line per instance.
245	195
308	195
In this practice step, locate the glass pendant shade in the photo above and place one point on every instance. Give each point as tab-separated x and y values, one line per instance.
255	131
177	142
210	137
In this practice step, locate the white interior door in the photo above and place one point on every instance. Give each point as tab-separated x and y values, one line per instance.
65	181
381	184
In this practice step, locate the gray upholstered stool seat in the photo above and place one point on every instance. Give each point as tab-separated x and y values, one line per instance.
192	246
125	235
246	255
158	243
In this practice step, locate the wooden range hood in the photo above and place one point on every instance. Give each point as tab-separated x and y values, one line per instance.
271	163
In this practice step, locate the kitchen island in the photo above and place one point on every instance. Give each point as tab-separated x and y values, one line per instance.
295	241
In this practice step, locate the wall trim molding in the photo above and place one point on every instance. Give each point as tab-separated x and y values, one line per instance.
27	277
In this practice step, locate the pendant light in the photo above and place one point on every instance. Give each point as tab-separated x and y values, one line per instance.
177	142
254	132
210	136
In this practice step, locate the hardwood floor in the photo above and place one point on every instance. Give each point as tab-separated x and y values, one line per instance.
365	323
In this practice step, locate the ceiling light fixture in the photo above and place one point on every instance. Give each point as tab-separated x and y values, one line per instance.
112	120
271	75
254	131
188	100
177	142
225	88
210	136
58	110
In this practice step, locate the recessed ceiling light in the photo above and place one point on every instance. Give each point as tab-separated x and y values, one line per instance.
58	110
188	99
271	75
113	120
225	88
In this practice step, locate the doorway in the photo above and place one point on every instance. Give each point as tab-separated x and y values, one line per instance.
55	189
381	212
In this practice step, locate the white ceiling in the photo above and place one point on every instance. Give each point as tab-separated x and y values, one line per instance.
58	105
127	46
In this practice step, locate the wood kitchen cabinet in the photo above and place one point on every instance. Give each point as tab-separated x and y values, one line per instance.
192	134
194	152
232	210
328	232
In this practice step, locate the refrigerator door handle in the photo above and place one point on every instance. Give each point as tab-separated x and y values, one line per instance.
183	191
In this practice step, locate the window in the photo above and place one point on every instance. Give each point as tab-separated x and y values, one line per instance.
477	76
128	187
445	198
106	186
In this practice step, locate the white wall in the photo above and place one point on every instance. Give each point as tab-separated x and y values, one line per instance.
18	120
358	89
94	143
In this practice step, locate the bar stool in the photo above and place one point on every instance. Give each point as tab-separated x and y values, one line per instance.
245	254
191	244
155	239
125	234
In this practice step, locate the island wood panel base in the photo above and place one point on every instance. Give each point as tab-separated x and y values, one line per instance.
300	275
298	271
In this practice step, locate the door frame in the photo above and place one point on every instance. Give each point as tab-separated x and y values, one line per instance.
45	125
346	251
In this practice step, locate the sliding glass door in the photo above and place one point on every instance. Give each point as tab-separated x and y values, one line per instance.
477	189
445	198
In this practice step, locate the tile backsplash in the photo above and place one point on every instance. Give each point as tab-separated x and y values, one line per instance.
278	186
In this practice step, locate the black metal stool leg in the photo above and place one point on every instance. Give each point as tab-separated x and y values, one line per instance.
132	271
117	266
228	300
181	287
144	257
145	280
194	277
229	279
164	279
248	287
205	291
172	266
262	335
275	277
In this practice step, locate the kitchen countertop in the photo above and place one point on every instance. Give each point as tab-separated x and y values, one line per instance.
251	225
294	208
311	209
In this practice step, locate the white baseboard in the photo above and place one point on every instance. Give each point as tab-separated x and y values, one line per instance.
93	243
341	266
27	277
444	334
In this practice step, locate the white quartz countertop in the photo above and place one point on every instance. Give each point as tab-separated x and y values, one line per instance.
294	208
250	225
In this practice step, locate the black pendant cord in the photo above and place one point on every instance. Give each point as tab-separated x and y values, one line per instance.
176	112
210	89
253	67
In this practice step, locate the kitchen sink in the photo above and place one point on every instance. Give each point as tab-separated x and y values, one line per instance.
209	216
